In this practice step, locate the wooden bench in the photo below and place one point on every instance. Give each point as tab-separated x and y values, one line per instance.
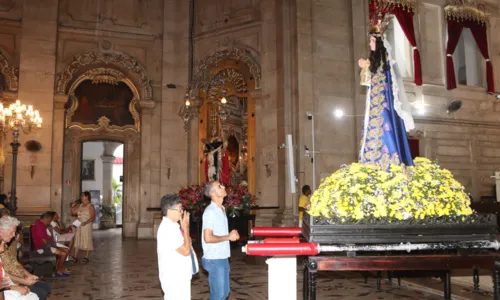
42	264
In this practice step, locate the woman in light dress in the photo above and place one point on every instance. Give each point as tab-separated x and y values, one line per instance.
85	213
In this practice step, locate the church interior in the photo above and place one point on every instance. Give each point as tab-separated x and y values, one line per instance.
136	99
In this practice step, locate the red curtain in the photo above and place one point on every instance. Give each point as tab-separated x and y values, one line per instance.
479	32
405	19
454	32
414	147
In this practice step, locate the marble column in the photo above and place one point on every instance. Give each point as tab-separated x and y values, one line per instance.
56	200
107	179
38	42
145	228
174	140
269	188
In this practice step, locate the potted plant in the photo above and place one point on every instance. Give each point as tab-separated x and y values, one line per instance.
108	216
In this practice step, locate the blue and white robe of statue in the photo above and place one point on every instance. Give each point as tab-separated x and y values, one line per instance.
387	119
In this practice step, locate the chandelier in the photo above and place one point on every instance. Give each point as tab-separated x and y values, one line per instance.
19	116
223	112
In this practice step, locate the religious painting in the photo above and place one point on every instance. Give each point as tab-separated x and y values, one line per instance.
96	100
88	169
233	149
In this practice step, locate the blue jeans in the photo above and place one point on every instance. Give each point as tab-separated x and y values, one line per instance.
218	277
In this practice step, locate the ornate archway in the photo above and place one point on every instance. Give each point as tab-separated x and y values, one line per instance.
9	73
236	73
108	70
122	61
9	82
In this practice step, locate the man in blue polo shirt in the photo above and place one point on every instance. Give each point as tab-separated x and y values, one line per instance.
215	241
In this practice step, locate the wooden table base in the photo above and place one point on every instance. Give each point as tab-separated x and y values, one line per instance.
444	262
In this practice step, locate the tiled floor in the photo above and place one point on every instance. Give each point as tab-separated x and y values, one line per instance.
127	269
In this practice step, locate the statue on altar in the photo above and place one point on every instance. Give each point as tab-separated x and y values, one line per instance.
216	161
388	115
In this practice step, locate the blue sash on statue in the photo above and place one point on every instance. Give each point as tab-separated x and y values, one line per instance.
385	141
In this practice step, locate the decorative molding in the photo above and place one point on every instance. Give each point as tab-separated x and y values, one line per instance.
231	76
416	134
466	10
89	58
458	122
203	77
6	6
105	75
103	125
10	73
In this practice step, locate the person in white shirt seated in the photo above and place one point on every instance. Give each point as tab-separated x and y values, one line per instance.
60	234
174	250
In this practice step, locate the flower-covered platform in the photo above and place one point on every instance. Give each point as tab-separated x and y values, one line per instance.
421	203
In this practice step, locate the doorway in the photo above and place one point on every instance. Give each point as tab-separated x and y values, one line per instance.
101	174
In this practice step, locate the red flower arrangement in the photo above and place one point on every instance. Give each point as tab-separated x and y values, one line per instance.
192	198
238	201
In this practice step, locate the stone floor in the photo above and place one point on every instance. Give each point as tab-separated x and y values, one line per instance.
127	269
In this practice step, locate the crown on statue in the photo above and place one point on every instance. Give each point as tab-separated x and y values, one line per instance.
378	29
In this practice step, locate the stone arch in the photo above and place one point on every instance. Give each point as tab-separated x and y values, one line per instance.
8	71
105	68
236	73
120	61
239	53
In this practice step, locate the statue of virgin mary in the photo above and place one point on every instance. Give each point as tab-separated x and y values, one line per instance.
388	114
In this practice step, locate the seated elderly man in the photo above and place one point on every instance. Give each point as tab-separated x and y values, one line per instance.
45	243
18	274
8	227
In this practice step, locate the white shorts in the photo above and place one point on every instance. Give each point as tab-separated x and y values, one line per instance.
67	237
300	223
177	290
15	295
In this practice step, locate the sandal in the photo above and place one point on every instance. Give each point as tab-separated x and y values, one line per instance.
85	260
73	259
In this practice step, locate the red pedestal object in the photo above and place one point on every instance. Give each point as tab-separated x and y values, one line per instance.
276	231
291	249
281	240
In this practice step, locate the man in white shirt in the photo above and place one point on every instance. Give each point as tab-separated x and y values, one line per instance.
215	241
174	250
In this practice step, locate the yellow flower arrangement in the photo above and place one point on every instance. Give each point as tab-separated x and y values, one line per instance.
361	192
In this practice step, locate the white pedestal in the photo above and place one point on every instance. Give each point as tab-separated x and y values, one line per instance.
497	179
282	273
